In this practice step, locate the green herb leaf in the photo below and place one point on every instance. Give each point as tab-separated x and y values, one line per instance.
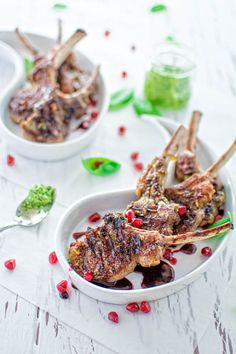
101	166
158	8
120	99
29	65
142	106
169	39
60	6
221	222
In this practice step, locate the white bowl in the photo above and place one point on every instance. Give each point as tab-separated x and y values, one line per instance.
188	268
14	78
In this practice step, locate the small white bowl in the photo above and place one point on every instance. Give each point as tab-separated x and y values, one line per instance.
14	78
188	268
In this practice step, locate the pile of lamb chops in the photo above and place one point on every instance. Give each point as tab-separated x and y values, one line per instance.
57	91
167	216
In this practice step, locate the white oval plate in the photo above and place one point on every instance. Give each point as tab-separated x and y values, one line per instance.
188	268
13	79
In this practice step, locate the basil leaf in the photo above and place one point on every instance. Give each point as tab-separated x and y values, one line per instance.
29	65
158	8
60	6
169	39
101	166
142	106
120	99
221	222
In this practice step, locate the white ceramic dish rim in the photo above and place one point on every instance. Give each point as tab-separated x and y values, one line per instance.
199	269
17	81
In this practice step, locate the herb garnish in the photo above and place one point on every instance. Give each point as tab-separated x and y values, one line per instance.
142	106
39	197
29	65
158	8
101	166
60	6
221	222
120	99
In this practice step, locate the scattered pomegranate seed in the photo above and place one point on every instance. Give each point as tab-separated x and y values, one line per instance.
173	260
113	316
107	33
10	264
145	307
88	276
132	307
137	223
84	125
62	286
168	254
10	160
124	74
52	258
130	215
134	155
206	251
94	217
98	163
138	166
93	102
121	130
64	295
94	115
182	210
218	217
77	235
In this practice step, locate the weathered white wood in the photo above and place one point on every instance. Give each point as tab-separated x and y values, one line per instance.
209	27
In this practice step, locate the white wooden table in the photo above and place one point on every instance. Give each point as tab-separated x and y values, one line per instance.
209	27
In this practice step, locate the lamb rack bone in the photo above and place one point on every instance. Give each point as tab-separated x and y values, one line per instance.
192	131
65	48
27	43
224	158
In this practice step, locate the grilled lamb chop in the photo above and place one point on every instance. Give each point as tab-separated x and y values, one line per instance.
156	211
201	194
186	163
113	250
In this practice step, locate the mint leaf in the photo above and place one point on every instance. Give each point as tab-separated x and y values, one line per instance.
142	106
101	166
158	8
120	99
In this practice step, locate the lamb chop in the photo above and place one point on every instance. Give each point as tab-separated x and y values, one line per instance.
152	207
41	110
200	194
113	250
186	163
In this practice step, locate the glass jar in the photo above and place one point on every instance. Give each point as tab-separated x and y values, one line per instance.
168	81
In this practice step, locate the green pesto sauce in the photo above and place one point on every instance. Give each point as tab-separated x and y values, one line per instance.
39	196
166	88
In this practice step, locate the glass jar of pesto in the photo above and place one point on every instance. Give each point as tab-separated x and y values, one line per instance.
169	76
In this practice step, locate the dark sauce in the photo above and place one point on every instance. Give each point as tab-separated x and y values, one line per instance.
188	248
122	284
161	274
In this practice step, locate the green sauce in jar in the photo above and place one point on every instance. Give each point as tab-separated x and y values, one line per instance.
169	78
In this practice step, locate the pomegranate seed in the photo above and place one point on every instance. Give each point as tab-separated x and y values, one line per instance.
10	160
138	166
132	307
94	115
62	286
107	33
10	264
145	307
113	316
98	163
93	102
84	125
173	260
134	155
88	276
52	258
137	223
182	210
218	217
206	251
94	217
130	215
168	254
124	74
64	295
77	235
122	130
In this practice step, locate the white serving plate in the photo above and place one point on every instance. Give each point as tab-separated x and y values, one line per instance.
13	76
188	268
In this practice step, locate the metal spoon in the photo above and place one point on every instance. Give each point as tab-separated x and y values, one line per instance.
28	217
